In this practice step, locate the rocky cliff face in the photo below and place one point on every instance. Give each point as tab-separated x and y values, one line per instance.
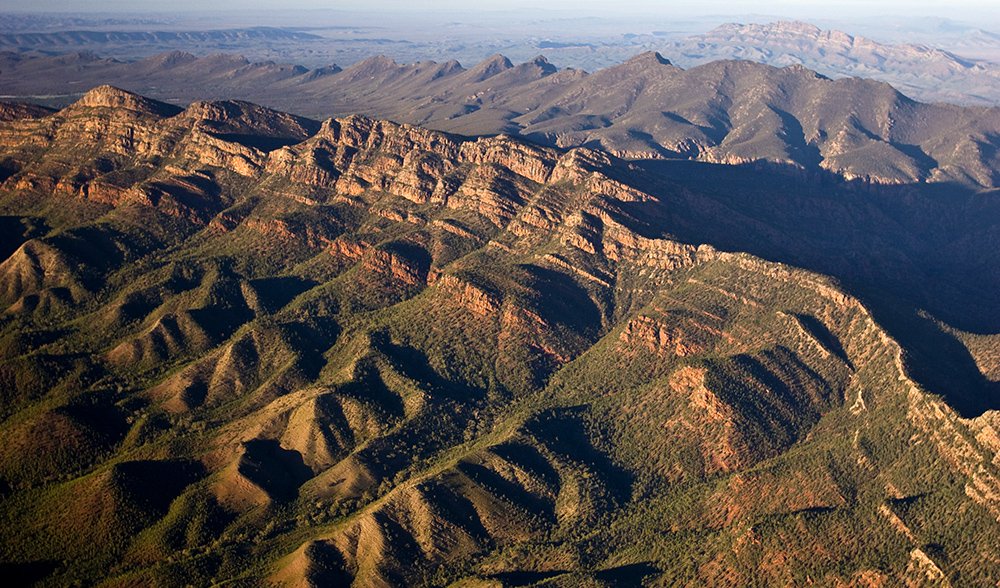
242	344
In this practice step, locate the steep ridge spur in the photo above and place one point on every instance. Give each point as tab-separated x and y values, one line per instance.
243	345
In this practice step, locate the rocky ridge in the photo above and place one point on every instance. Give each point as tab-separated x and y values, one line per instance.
366	352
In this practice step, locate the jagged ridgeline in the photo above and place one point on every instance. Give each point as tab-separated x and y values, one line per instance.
723	112
239	345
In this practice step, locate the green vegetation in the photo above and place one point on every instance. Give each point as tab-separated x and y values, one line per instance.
264	376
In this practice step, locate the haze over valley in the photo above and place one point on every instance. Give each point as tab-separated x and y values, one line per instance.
928	59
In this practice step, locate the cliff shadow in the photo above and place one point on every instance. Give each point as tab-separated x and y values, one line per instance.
900	249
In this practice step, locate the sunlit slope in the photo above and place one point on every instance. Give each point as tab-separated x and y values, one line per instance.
243	346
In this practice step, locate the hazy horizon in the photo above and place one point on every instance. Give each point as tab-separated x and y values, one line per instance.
817	9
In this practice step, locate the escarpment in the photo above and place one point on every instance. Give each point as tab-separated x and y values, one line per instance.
242	344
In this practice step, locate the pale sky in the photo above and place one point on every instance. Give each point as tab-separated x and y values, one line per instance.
955	9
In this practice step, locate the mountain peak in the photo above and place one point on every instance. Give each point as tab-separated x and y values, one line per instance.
378	62
650	58
798	68
372	67
447	68
107	96
490	67
542	63
794	26
498	60
171	59
326	70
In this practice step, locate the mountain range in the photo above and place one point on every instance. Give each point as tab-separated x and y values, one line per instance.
924	72
251	347
951	64
725	111
83	38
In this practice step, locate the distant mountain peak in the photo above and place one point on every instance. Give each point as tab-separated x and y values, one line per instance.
448	67
227	59
382	61
788	29
650	58
326	70
490	67
801	69
172	58
542	62
372	66
794	26
498	60
780	26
